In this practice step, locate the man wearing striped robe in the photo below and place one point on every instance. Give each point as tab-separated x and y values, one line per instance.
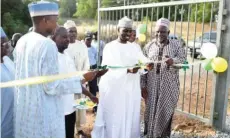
160	86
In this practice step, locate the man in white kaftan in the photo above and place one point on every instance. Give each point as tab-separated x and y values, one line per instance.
66	65
39	109
76	49
79	53
118	114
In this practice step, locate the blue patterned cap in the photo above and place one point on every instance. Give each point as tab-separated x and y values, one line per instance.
42	8
3	34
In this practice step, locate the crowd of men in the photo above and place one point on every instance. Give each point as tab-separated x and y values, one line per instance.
46	110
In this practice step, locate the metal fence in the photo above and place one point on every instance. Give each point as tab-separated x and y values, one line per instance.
193	22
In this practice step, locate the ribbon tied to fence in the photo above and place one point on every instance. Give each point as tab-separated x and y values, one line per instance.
51	78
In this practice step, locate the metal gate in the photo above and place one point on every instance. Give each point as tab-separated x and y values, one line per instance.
193	22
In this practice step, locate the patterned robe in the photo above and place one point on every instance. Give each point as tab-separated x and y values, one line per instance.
39	109
162	85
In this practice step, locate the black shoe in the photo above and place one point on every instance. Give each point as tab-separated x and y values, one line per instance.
95	109
83	134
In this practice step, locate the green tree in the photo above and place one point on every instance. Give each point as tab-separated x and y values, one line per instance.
209	10
139	14
67	8
109	3
13	25
86	9
15	16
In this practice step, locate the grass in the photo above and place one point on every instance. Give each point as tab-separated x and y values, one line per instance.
109	28
186	31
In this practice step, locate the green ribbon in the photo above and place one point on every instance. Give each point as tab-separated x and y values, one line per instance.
185	66
115	67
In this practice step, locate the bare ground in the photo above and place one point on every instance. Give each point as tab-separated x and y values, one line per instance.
183	123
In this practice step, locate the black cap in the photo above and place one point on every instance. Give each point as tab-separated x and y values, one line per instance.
88	35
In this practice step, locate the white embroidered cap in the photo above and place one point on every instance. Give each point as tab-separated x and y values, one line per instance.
163	22
125	22
69	24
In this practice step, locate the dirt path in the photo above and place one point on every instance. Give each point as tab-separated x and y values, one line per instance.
180	123
194	97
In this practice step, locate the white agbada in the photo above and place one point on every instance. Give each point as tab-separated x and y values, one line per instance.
39	108
78	51
118	114
137	45
66	65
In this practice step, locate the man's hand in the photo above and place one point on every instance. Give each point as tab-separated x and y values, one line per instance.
94	99
87	93
101	72
149	66
89	76
144	93
134	70
169	61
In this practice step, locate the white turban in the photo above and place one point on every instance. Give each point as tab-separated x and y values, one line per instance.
69	24
163	22
125	22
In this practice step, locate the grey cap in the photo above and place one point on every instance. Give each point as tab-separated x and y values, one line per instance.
125	22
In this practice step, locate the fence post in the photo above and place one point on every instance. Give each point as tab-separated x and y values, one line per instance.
99	31
124	5
220	87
